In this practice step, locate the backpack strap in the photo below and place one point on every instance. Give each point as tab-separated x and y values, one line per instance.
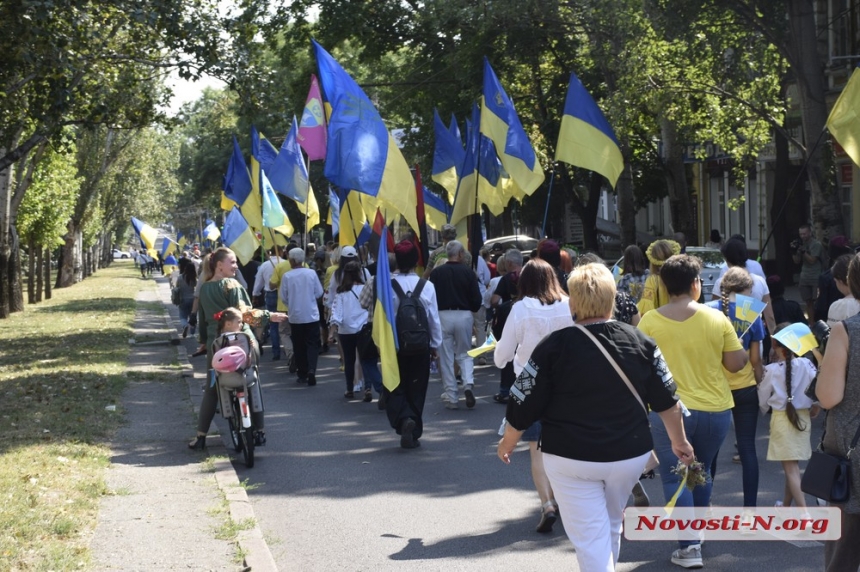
397	289
418	288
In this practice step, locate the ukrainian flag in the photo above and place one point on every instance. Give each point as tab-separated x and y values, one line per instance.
448	156
289	175
274	216
211	231
239	237
480	181
180	240
145	233
500	122
585	139
798	338
747	308
360	153
384	326
353	216
436	210
239	189
844	119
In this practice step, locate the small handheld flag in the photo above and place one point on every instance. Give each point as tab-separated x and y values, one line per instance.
798	338
748	308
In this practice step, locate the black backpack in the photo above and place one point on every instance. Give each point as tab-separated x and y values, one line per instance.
413	330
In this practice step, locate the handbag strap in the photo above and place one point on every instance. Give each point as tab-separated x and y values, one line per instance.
853	441
618	369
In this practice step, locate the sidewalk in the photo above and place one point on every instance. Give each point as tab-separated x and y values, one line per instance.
166	503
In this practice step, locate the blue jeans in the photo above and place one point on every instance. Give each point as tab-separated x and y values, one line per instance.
706	431
745	416
185	312
274	335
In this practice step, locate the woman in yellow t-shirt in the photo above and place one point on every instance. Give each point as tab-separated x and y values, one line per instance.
654	292
697	342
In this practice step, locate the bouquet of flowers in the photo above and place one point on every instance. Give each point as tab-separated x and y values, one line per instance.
693	475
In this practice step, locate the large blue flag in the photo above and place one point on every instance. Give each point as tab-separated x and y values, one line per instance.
586	139
288	172
238	187
500	122
384	326
361	153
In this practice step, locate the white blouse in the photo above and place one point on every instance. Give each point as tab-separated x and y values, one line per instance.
528	323
771	391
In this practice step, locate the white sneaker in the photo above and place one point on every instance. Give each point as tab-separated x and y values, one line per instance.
690	557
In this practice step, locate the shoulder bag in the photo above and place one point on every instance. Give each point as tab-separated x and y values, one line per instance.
828	476
653	462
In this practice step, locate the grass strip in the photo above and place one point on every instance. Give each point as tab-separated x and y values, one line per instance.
62	362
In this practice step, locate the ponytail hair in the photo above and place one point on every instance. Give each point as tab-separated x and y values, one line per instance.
724	299
790	410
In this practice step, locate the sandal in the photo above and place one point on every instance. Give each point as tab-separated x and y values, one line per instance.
349	395
368	396
548	516
500	398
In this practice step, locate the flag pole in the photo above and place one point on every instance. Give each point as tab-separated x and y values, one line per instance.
548	196
307	233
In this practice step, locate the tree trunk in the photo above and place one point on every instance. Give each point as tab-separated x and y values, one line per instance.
69	272
16	293
676	180
38	270
626	207
48	292
31	272
808	67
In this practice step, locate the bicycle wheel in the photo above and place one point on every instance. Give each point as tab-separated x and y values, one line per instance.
235	422
248	446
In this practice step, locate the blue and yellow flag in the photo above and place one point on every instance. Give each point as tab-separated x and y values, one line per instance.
237	187
289	175
844	119
361	153
239	237
500	122
384	326
145	233
180	241
481	180
167	246
798	338
448	157
436	209
211	231
747	308
586	139
353	216
274	216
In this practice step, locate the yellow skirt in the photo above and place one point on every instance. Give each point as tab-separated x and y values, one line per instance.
786	442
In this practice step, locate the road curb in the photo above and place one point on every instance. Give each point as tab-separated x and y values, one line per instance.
257	557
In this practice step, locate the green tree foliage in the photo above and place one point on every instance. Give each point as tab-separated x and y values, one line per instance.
46	208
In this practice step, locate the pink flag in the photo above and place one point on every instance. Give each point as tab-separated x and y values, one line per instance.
312	135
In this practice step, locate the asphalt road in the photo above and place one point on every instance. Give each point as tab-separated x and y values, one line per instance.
333	490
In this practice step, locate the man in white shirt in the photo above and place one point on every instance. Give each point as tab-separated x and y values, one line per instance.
300	290
480	317
261	286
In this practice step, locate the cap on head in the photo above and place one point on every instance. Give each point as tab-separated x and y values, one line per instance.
348	252
449	232
406	254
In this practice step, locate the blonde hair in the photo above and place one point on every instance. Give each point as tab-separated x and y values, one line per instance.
659	252
736	281
592	291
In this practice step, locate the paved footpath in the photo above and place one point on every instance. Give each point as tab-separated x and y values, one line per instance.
332	490
168	505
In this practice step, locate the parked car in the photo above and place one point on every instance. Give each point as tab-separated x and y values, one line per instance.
119	254
521	242
711	259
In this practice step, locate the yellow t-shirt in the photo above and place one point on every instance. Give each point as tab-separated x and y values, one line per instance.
743	378
693	350
654	295
278	273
